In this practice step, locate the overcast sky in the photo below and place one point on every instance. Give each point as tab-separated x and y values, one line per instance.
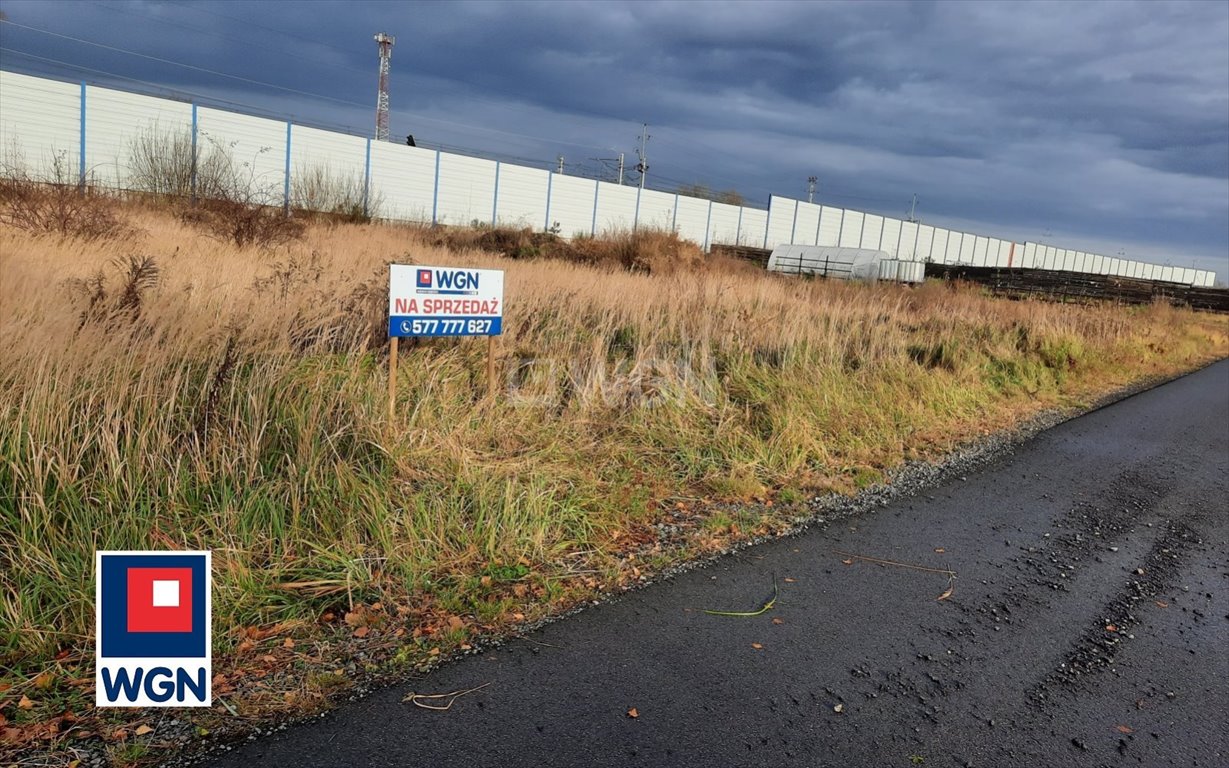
1101	126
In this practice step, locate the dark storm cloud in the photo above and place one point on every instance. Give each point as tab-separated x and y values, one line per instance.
1105	122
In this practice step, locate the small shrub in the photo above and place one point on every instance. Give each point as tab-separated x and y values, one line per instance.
243	223
318	189
59	206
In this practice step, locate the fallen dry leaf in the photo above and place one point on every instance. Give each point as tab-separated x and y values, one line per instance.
847	562
778	621
455	623
44	680
143	729
361	632
946	593
1161	604
789	580
1124	729
839	708
632	713
940	550
25	703
757	646
1111	628
518	617
288	643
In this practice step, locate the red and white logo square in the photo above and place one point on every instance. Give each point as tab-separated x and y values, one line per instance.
159	599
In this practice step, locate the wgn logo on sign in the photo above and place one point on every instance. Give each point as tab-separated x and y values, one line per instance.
152	620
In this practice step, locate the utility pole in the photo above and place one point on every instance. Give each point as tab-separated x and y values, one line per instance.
913	209
386	54
620	169
811	180
559	159
643	166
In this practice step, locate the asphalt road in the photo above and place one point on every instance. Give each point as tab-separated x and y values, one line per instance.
1117	519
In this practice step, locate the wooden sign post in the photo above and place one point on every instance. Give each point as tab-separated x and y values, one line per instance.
443	301
392	377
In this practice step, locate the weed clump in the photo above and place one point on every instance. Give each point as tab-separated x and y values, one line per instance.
58	206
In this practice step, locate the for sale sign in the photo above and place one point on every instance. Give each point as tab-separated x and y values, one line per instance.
445	301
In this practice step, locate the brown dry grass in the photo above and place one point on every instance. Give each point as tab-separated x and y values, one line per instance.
235	399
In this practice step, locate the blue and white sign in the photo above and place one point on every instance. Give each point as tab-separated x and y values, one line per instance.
152	618
445	301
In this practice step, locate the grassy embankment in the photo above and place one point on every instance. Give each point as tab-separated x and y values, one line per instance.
235	400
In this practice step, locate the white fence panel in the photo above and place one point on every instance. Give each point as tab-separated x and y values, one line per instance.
851	229
616	208
780	220
656	211
40	121
326	168
938	249
981	246
256	146
1010	253
723	224
961	247
806	224
890	241
339	153
522	197
119	124
830	226
925	242
754	227
571	205
1029	260
402	181
908	241
993	247
466	191
691	219
872	232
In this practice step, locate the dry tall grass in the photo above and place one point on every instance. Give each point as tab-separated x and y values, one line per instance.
235	400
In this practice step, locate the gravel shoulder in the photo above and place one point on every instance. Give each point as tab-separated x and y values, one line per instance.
1087	625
